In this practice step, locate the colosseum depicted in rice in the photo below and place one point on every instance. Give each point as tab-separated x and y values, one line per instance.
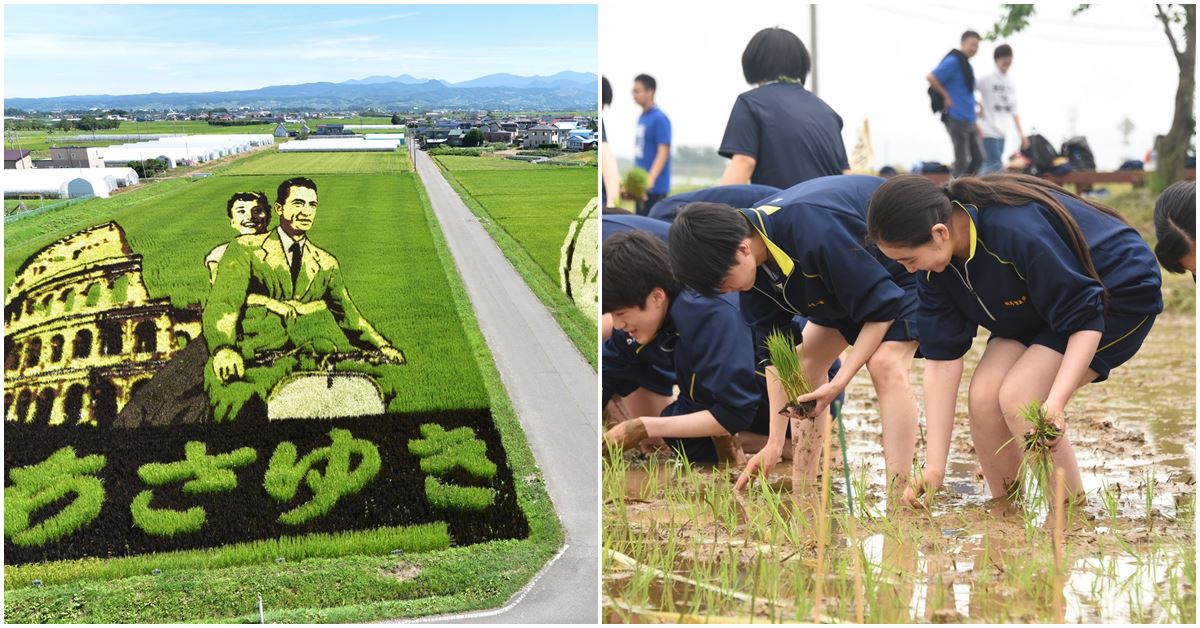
82	333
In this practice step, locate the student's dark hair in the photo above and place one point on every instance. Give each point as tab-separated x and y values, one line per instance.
1003	51
704	240
774	54
967	34
635	263
605	91
285	188
620	211
259	199
1175	225
905	208
647	81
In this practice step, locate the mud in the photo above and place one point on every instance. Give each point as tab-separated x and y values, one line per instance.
970	558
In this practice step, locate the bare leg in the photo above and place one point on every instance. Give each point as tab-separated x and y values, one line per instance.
822	345
989	432
889	369
1029	380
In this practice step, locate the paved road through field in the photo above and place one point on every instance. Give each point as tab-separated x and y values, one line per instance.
554	392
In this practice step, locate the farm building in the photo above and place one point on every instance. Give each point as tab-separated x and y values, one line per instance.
82	332
338	145
17	159
280	130
74	157
68	182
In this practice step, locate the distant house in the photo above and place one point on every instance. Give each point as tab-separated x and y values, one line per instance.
280	130
455	137
505	137
17	159
566	125
541	135
581	140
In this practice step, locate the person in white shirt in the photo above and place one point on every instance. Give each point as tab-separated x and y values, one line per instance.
998	112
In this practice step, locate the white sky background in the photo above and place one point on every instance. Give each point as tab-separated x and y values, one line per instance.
1105	64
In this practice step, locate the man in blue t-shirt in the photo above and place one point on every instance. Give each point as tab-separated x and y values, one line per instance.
652	144
954	80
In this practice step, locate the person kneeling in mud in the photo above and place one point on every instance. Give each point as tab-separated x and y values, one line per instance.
703	341
268	289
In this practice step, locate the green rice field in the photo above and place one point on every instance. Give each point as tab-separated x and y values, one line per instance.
372	210
528	209
285	164
363	218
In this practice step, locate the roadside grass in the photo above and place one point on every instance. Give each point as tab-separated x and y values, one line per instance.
527	210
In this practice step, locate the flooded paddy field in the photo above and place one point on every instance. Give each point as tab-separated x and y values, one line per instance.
681	546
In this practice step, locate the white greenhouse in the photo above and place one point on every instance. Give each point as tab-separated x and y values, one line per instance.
67	182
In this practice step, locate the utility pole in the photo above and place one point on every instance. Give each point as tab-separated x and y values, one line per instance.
812	14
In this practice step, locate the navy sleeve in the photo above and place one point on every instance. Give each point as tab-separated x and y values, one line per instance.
723	358
944	332
863	287
621	372
1068	299
741	132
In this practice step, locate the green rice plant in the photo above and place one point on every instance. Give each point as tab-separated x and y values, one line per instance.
1035	473
441	451
453	497
284	474
164	521
415	538
636	182
1111	501
211	473
37	486
787	360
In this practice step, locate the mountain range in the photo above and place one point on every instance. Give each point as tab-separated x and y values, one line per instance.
564	90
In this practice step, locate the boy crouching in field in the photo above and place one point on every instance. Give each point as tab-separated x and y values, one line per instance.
659	327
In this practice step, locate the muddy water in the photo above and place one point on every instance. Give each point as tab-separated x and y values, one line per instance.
957	563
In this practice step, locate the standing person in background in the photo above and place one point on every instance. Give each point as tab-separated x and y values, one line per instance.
652	144
952	83
998	111
608	168
779	133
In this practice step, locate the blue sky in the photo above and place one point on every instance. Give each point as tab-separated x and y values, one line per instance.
59	50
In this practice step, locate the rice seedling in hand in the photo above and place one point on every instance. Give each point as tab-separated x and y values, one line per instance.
1036	469
782	348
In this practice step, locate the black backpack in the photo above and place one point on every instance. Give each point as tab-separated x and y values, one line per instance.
936	102
1077	150
1041	154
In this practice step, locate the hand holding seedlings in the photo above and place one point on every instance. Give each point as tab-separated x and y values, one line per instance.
1057	427
819	399
626	434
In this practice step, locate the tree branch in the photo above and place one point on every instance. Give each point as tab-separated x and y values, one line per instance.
1166	22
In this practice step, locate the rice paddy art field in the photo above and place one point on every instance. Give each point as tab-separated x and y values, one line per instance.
528	208
432	505
681	546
